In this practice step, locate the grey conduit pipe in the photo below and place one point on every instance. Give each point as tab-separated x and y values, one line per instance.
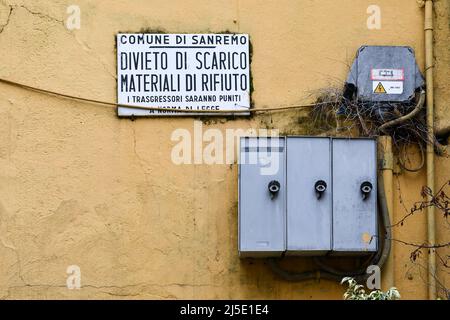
429	65
412	114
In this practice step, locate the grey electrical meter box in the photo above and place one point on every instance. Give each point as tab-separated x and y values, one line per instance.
385	74
309	195
262	197
354	196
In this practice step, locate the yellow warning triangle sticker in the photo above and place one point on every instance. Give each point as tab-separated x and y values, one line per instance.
379	88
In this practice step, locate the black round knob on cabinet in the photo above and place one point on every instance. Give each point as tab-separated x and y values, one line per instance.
274	187
366	189
320	187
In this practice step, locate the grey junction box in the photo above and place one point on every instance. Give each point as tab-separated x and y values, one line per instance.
307	196
385	74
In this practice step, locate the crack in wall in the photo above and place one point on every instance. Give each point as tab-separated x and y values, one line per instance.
2	27
48	17
39	14
139	289
142	163
18	260
88	49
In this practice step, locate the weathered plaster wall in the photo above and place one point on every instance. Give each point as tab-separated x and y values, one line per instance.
80	186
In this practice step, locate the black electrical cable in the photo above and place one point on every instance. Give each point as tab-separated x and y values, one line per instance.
187	111
325	271
402	164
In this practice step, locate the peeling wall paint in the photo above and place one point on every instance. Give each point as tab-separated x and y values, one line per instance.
78	186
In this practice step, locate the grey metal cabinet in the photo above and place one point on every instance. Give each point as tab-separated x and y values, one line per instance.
262	197
354	196
309	195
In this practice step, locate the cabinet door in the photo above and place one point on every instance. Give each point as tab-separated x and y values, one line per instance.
354	196
262	197
309	195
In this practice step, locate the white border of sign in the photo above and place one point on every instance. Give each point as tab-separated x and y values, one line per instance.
139	60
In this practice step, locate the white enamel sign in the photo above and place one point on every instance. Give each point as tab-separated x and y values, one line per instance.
388	74
197	72
387	87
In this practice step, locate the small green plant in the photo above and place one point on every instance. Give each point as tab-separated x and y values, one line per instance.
356	291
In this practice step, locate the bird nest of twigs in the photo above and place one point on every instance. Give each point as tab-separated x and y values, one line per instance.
365	120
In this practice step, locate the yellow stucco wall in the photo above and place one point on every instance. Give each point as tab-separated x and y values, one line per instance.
79	186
